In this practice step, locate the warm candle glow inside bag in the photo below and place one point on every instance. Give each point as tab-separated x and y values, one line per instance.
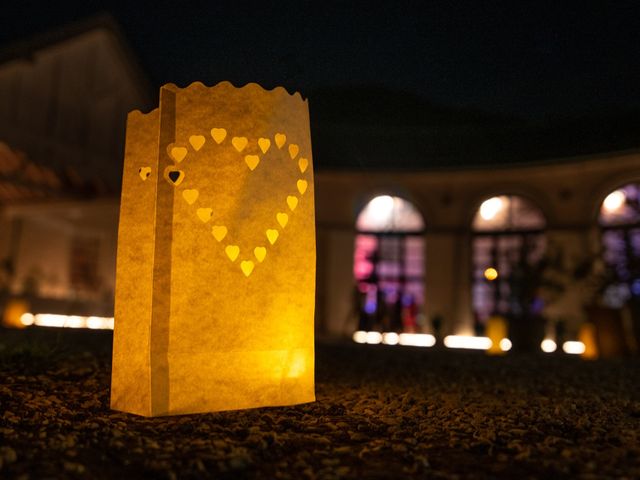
216	253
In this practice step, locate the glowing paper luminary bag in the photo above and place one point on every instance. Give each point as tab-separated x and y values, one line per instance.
215	281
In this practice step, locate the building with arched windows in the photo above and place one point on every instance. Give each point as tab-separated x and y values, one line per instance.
477	242
430	220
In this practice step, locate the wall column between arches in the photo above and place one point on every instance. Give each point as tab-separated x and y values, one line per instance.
339	318
462	322
440	278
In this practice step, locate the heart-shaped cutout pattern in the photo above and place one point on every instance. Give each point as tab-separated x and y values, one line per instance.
252	161
190	195
232	252
264	144
239	143
247	267
173	175
178	153
204	214
218	135
219	232
272	236
144	172
292	202
282	218
260	253
196	141
281	139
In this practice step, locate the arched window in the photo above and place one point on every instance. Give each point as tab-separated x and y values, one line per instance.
389	266
620	223
508	242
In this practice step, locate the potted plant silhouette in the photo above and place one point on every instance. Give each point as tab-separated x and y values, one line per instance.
532	283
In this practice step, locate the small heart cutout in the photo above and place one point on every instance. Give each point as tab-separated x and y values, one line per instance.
260	253
302	186
190	196
239	143
281	139
293	150
292	202
303	164
252	161
204	214
144	172
247	267
196	141
272	236
282	218
264	144
178	153
232	252
173	175
219	232
218	135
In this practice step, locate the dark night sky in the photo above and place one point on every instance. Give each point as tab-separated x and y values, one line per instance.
524	58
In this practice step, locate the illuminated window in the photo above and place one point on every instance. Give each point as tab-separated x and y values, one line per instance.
389	266
508	241
620	222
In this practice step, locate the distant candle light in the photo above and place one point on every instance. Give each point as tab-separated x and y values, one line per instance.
505	344
360	336
462	341
574	348
491	274
390	338
417	339
548	345
374	338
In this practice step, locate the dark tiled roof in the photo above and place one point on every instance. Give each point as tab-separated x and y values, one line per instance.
22	180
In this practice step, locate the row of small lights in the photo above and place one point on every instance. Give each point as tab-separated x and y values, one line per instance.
66	321
456	341
427	340
372	338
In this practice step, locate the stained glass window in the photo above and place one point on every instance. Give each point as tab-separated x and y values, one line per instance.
620	222
389	266
508	240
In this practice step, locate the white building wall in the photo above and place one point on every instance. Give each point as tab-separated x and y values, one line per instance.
45	234
339	284
440	276
43	256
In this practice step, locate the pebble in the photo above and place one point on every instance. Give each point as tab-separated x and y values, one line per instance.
381	413
8	455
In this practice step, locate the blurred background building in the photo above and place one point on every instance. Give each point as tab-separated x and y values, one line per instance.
64	99
429	219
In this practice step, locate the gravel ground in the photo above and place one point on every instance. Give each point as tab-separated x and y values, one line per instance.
382	412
